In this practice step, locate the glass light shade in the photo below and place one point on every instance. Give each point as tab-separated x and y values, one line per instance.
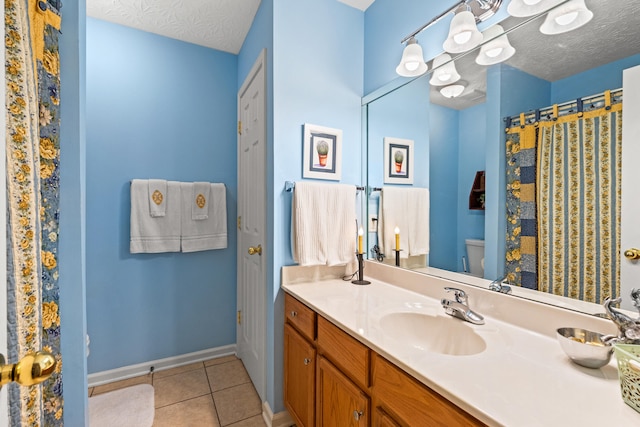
567	17
524	8
496	48
463	33
412	63
444	71
452	91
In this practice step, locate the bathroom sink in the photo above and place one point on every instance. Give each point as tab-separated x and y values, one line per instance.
433	333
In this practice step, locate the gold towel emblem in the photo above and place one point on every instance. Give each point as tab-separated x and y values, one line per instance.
200	201
157	197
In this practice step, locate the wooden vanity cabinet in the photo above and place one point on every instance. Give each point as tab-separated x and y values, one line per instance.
299	362
332	379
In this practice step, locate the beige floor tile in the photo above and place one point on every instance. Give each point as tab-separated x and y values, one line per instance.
227	375
237	403
256	421
219	360
90	390
178	388
179	370
144	379
198	412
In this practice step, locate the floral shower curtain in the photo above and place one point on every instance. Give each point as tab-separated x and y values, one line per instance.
576	207
32	150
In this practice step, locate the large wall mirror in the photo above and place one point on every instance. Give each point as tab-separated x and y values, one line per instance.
473	169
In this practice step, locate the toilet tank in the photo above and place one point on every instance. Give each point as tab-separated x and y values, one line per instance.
475	255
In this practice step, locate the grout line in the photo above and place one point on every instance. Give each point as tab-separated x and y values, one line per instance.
185	400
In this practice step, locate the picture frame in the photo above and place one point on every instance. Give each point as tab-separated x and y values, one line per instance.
322	152
398	161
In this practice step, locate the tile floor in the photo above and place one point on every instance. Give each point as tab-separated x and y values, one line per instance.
216	393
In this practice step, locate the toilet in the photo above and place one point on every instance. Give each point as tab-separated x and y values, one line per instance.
475	255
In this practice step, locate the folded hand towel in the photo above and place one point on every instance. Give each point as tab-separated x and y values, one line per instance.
209	233
157	197
418	218
324	224
200	202
154	234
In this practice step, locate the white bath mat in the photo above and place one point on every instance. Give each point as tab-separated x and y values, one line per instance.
127	407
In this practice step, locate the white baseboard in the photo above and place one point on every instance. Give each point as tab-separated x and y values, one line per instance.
281	419
131	371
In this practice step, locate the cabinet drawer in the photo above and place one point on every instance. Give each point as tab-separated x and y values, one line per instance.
352	357
412	403
300	316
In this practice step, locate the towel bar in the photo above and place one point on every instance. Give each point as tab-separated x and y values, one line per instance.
289	186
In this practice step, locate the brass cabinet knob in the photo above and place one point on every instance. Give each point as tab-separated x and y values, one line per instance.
32	369
357	415
632	253
255	250
306	361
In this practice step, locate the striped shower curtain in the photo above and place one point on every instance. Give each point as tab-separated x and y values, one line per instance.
32	84
563	204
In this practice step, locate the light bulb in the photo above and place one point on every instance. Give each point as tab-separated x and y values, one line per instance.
567	18
492	53
412	65
531	2
443	77
463	37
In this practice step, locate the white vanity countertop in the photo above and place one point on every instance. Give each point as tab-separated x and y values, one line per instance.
522	378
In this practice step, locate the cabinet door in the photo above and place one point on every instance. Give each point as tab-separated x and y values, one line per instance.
299	377
340	402
382	419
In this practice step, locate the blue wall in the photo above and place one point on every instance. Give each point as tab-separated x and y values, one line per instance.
156	108
443	191
318	55
71	252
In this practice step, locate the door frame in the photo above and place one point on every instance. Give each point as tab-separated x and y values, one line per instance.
259	64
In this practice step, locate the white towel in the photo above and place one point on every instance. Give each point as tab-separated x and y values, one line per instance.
324	224
407	209
200	201
205	234
154	234
157	197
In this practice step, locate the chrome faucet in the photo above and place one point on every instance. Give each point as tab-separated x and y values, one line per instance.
498	286
460	307
629	329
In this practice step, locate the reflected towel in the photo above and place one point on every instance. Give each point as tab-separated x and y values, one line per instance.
157	197
204	234
154	234
407	209
323	224
200	202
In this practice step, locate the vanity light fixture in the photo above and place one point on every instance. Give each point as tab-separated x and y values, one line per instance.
444	71
569	16
452	91
412	63
525	8
463	33
497	47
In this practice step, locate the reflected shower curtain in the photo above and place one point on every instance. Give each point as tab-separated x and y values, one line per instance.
32	151
563	204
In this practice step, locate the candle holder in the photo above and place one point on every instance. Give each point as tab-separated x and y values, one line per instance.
397	251
360	280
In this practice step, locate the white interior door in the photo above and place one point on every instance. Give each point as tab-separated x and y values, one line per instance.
252	137
630	227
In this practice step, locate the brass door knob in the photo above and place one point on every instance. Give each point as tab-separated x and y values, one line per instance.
32	369
632	253
255	250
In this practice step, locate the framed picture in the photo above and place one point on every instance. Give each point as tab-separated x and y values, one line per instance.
398	161
322	152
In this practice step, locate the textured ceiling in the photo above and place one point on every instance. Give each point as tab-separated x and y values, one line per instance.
218	24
